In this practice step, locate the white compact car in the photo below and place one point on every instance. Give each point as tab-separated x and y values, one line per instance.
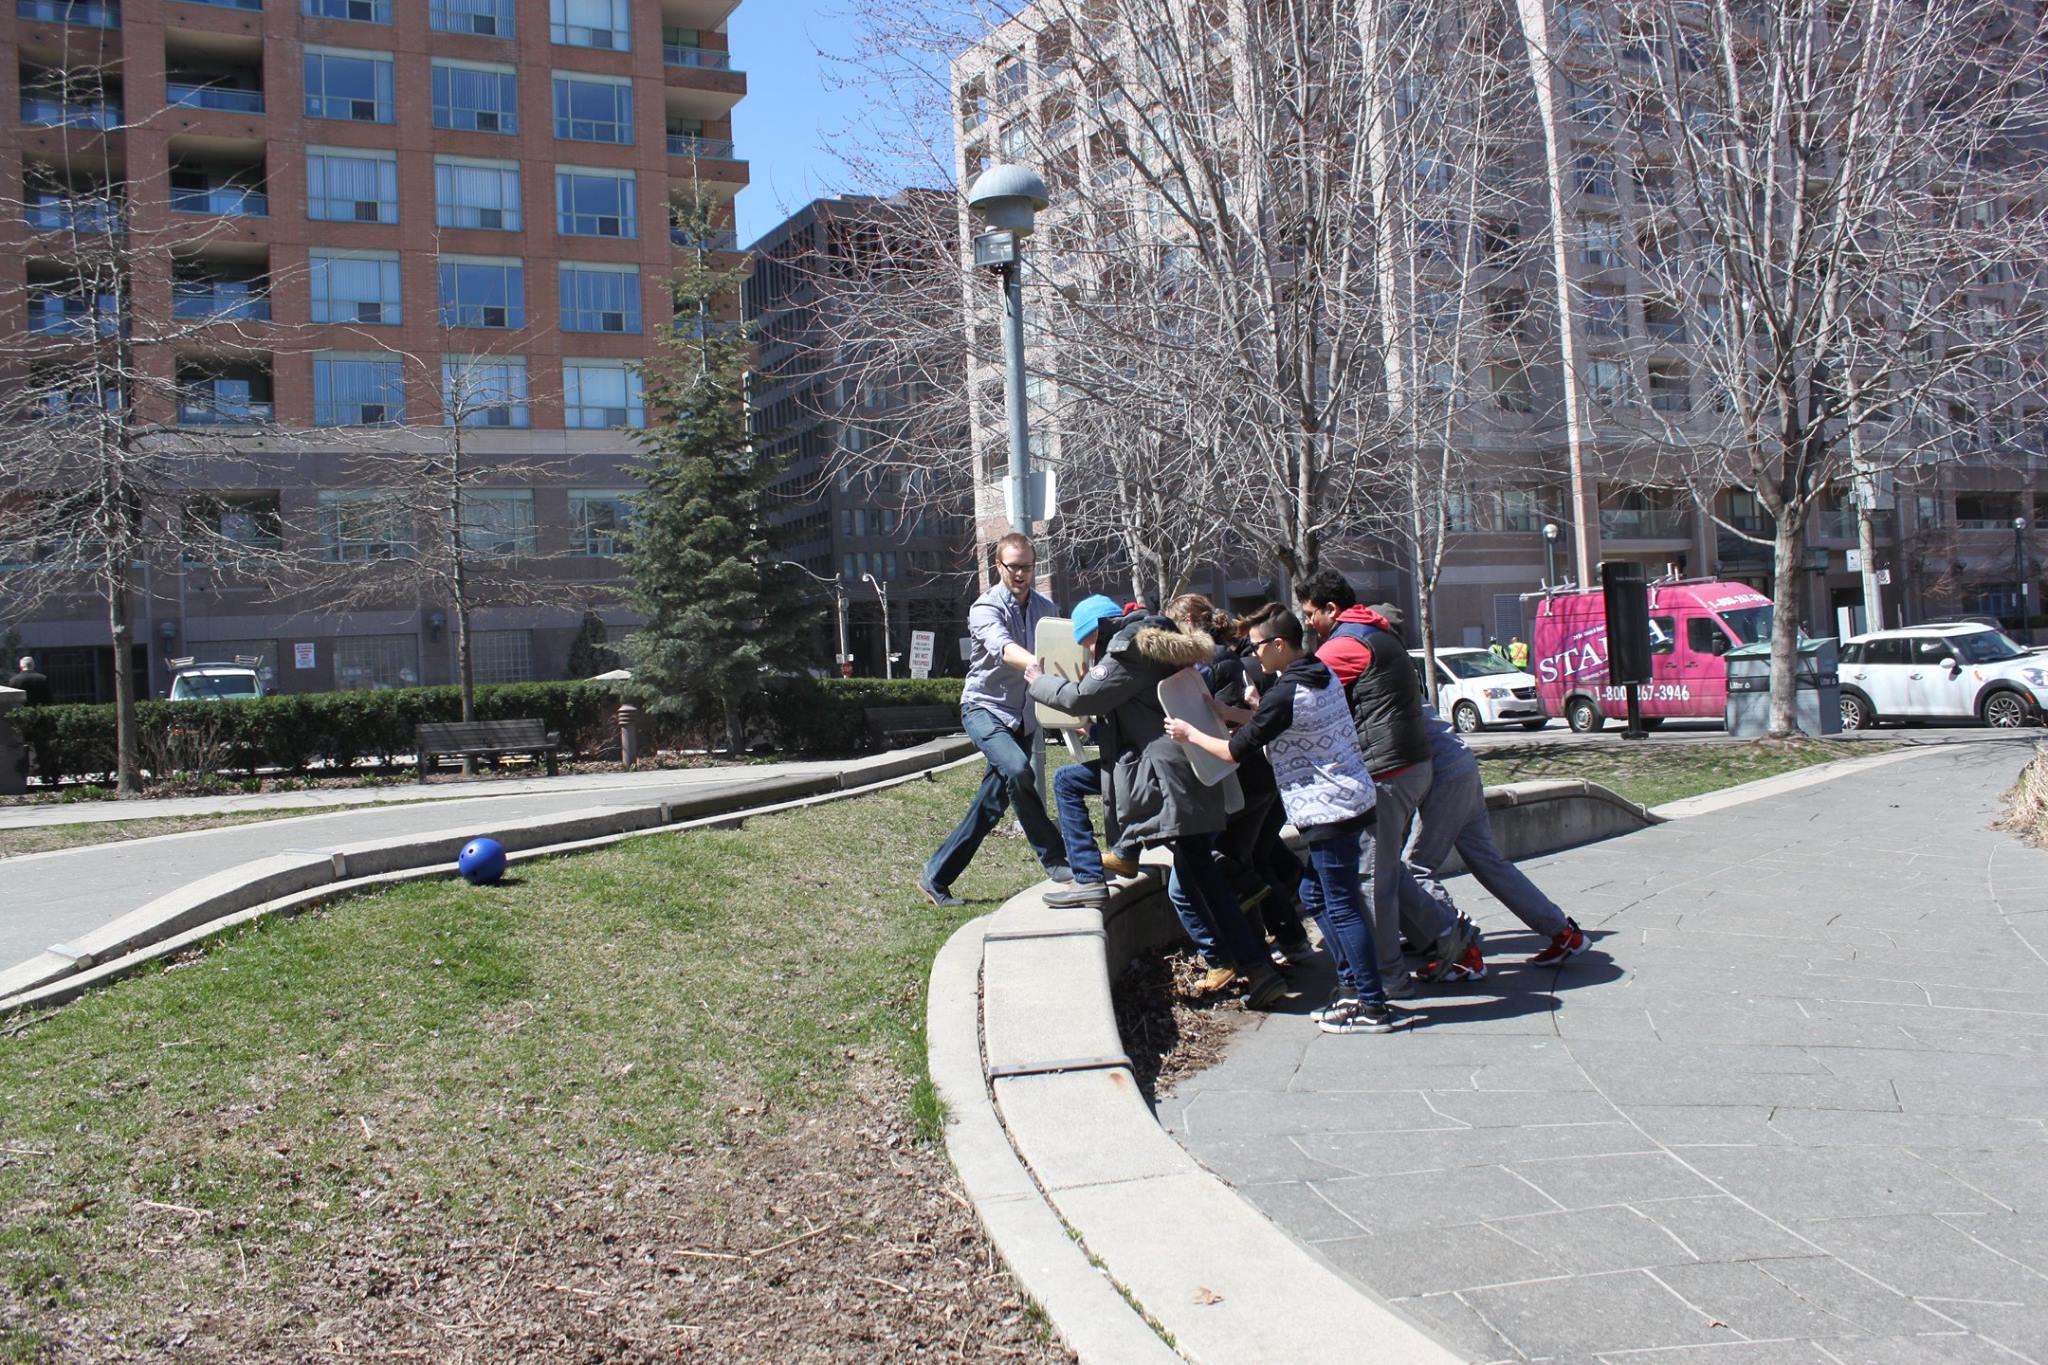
1476	688
1941	671
217	682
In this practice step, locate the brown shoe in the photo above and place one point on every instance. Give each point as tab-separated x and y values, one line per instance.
1216	979
1116	865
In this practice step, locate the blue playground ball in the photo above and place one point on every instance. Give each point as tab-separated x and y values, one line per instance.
482	861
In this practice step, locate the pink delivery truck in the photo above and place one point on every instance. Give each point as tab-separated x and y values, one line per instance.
1691	626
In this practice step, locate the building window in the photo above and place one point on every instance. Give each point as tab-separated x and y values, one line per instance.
476	98
351	187
1606	312
1595	175
1607	383
597	394
600	298
376	663
479	291
483	391
1670	387
355	286
357	391
595	203
593	109
361	11
1600	245
224	523
488	18
598	521
589	23
353	86
476	194
498	522
501	656
363	524
1509	385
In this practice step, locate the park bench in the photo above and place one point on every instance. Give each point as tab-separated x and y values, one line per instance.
490	739
894	725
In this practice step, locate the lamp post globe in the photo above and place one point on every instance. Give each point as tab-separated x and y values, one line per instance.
1008	199
1550	534
2019	569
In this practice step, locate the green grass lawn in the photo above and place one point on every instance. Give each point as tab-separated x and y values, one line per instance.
473	1050
1654	772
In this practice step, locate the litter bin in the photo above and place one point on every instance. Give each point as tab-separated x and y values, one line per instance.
1817	694
13	753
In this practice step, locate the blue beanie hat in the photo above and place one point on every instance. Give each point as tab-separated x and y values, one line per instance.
1092	612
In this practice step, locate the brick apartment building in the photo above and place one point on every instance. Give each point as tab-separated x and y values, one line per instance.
815	407
400	191
1032	92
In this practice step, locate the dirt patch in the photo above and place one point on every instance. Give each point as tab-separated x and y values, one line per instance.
1169	1028
841	1239
2026	805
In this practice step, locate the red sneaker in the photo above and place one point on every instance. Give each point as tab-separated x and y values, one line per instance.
1570	942
1471	967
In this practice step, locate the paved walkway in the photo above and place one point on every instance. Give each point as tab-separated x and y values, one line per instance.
48	898
1789	1109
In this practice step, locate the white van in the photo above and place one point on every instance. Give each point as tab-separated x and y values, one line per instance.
217	682
1477	688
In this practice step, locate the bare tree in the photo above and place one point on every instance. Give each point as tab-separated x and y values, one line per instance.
131	391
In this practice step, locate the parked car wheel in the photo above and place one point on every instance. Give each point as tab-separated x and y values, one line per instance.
1465	718
1535	724
2006	710
1856	713
1583	716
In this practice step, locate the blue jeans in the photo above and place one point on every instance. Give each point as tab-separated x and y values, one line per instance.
1215	905
1334	893
1007	781
1071	788
1193	925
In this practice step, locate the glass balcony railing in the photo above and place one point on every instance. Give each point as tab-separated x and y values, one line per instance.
1644	523
226	201
227	304
709	241
62	215
205	410
42	112
61	315
704	58
703	148
255	5
227	98
78	12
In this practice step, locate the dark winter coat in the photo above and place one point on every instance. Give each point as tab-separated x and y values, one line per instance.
1147	778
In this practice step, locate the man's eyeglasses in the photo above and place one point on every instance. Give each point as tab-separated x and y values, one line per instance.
1026	567
1258	645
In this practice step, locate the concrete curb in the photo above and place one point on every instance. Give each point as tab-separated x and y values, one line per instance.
296	879
1743	793
1070	1170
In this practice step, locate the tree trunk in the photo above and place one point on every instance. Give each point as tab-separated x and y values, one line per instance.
1866	547
1786	556
127	745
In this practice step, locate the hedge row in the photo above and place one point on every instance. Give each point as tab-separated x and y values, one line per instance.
296	730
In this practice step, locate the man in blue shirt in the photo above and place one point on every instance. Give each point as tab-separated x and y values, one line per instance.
997	714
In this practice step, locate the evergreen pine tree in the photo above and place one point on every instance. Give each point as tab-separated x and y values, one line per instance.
723	619
591	653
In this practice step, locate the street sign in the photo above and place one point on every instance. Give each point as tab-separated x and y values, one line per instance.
303	652
921	642
1884	578
1855	560
1044	496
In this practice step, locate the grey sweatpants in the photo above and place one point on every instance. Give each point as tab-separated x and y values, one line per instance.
1453	815
1396	799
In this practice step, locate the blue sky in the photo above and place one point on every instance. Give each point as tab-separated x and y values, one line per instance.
792	111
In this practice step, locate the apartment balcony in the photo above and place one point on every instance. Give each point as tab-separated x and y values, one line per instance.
248	6
79	13
1644	523
55	314
229	99
701	148
221	201
220	301
61	213
699	58
41	111
225	401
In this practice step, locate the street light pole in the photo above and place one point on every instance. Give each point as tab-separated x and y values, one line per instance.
1008	198
1550	534
842	660
2019	571
882	592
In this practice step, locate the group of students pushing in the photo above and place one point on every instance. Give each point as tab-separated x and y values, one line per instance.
1330	734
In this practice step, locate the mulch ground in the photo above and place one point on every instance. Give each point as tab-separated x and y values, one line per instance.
841	1240
1169	1028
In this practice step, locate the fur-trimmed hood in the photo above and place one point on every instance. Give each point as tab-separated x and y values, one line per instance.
1159	640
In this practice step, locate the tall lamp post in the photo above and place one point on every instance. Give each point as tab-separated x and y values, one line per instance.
1550	535
2019	570
882	593
1008	199
843	659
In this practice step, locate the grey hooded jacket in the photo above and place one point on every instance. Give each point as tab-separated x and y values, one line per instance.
1147	778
